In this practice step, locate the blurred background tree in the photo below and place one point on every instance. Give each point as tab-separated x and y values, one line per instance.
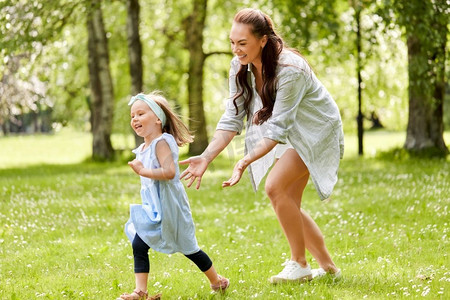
101	100
44	46
426	30
135	52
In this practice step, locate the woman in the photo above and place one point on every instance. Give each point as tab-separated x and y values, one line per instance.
291	118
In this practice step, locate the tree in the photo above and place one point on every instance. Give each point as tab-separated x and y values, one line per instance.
24	105
358	6
134	52
426	31
102	95
26	29
193	26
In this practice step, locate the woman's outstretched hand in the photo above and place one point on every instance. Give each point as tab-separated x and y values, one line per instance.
239	168
195	170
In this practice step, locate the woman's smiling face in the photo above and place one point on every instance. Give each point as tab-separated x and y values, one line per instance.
245	45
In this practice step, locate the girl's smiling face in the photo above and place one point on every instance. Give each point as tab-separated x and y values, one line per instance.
245	45
143	120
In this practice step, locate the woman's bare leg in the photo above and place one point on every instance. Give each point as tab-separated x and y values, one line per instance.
290	165
289	170
313	237
316	245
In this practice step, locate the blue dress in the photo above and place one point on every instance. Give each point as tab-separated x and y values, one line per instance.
164	219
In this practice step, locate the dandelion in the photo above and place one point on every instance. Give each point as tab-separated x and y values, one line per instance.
426	291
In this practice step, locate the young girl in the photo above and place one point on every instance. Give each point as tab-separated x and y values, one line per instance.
163	221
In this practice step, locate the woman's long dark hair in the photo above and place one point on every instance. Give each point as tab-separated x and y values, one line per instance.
261	25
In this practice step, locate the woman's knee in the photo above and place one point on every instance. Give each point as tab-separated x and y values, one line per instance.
280	193
273	190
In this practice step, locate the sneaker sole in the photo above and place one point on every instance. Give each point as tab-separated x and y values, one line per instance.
334	276
276	280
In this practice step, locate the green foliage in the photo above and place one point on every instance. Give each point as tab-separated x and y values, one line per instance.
322	30
303	22
62	228
27	25
53	37
427	29
329	46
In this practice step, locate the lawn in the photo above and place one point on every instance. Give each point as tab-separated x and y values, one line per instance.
61	235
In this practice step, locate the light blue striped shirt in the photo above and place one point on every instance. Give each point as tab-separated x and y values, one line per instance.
304	114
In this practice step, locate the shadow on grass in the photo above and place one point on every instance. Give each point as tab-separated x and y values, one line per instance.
42	170
117	167
401	154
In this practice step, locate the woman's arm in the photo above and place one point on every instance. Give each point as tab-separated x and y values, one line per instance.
199	164
262	148
220	140
230	124
167	169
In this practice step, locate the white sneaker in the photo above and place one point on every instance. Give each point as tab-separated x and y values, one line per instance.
292	272
318	273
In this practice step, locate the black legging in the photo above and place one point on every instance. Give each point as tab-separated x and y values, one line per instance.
142	263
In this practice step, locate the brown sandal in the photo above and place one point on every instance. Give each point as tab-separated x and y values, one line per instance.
135	295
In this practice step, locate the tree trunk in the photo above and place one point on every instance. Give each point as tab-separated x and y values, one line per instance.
194	25
360	117
100	83
425	120
134	52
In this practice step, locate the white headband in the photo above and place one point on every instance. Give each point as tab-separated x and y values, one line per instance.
152	104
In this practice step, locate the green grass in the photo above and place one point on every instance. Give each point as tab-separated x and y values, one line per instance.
61	234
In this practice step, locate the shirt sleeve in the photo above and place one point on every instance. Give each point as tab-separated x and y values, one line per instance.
291	90
230	120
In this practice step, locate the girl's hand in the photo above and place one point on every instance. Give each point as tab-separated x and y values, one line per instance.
136	165
239	168
195	170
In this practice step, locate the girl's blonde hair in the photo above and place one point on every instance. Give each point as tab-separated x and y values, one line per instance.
174	124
